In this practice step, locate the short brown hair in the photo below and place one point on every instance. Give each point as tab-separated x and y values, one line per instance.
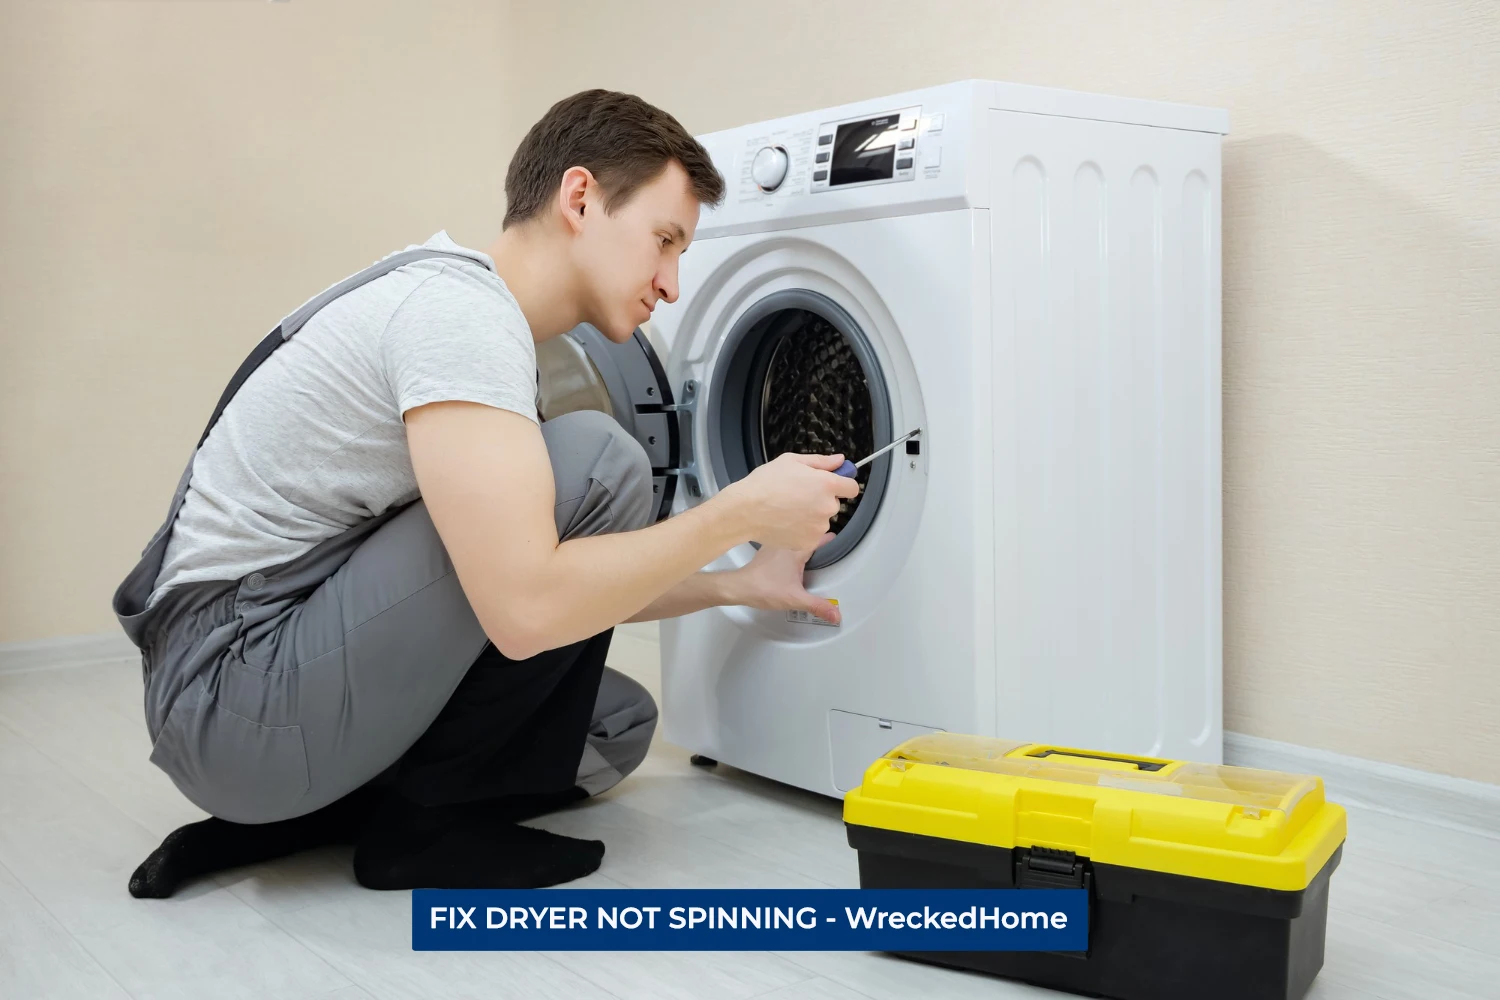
623	141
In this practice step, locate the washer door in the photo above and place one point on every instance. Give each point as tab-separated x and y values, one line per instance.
585	370
798	374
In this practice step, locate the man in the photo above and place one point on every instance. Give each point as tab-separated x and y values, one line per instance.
379	608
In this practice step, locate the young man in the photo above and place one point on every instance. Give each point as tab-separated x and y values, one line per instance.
380	605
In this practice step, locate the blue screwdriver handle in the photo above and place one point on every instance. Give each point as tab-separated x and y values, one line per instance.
847	470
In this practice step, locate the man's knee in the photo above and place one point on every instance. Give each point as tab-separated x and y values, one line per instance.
620	733
602	475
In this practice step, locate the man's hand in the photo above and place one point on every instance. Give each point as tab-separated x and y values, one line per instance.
789	501
772	581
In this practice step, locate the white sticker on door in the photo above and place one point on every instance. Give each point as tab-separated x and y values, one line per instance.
808	618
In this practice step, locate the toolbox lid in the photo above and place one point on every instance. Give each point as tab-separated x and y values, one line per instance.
1232	824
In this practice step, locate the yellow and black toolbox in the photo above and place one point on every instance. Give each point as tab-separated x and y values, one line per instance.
1203	880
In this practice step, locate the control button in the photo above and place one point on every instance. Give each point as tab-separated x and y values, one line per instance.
906	144
768	169
254	581
822	157
932	156
904	164
820	175
935	123
825	140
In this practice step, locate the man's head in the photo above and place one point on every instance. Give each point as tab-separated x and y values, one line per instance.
623	181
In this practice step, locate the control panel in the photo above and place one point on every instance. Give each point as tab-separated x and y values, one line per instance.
895	154
877	149
846	153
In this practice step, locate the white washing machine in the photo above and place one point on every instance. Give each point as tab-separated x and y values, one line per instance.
1032	278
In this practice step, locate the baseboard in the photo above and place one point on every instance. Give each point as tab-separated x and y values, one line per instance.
65	651
1456	803
81	650
643	631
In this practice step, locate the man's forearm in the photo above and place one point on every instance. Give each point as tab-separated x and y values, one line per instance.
587	585
699	591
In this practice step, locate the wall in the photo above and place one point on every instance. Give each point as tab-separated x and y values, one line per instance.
174	178
1361	298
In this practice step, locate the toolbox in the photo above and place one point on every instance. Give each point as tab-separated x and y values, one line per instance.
1203	880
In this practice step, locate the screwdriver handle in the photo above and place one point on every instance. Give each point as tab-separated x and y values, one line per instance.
847	470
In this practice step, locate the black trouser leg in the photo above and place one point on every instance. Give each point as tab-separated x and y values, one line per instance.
511	727
506	746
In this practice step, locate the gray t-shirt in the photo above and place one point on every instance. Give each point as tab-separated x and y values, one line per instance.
314	442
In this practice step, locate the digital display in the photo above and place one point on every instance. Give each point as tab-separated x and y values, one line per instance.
865	151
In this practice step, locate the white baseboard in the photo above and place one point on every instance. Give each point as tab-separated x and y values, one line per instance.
1456	803
644	631
65	651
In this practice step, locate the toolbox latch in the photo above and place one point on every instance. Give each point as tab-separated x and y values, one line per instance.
1045	868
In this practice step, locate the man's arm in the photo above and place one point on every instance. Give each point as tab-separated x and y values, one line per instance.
699	591
771	581
487	481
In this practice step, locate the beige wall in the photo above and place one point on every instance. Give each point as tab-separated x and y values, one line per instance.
219	161
174	178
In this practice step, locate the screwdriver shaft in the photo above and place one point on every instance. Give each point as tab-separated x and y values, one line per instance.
871	457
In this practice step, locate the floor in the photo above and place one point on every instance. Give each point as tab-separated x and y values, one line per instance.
1415	909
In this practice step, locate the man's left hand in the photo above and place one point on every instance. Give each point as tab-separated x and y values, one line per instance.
772	581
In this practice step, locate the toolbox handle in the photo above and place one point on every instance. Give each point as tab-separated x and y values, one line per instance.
1083	758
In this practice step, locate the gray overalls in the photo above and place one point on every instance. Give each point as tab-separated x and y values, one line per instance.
271	696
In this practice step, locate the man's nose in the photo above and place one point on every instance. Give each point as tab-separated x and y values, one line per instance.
665	284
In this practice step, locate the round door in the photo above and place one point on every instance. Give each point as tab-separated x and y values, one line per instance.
798	374
585	370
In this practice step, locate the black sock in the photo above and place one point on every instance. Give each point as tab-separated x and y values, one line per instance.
215	844
466	846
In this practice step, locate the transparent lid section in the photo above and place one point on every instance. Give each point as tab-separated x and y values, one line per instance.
1249	788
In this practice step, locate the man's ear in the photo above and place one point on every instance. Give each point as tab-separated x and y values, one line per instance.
578	188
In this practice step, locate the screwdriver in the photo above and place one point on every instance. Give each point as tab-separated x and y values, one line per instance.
848	469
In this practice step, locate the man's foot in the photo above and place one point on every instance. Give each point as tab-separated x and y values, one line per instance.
469	846
215	844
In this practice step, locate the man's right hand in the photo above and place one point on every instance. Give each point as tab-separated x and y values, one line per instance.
789	502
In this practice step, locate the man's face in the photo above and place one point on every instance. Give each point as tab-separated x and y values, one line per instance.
627	258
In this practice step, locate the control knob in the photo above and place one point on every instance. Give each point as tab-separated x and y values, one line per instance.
768	169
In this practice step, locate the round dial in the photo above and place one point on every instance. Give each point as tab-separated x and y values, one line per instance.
769	168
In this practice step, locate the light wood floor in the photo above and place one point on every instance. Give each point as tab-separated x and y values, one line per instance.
1415	909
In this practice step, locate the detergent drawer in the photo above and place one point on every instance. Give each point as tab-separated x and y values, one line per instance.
854	740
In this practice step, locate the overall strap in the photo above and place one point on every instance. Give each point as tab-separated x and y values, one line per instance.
131	597
289	326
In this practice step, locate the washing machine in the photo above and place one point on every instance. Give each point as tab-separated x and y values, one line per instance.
1030	278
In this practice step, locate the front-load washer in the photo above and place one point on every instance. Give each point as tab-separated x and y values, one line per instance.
1032	278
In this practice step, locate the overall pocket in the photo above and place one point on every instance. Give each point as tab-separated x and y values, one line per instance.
230	766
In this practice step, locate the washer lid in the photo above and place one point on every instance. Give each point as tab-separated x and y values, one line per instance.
585	370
